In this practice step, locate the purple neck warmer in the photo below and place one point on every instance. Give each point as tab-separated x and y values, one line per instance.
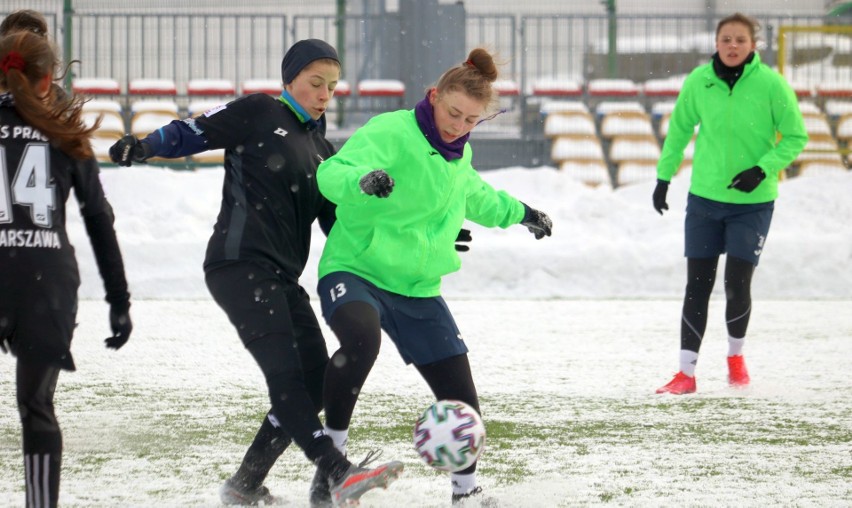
426	120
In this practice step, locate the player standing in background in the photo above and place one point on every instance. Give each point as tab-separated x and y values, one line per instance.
742	106
42	143
403	185
258	251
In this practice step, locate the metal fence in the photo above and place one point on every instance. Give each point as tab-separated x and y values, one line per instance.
250	46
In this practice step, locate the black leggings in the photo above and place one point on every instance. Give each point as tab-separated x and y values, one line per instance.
357	326
701	276
42	438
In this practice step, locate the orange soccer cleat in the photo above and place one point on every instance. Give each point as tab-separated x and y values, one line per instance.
681	384
737	372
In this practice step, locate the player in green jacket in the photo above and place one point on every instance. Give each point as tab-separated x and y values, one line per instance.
749	130
403	185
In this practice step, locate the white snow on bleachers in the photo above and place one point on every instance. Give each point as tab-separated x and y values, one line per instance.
506	87
555	87
196	108
146	86
577	149
553	106
374	87
838	108
615	87
663	87
210	87
816	125
96	86
594	173
559	124
607	107
631	124
154	105
267	86
662	108
102	105
627	149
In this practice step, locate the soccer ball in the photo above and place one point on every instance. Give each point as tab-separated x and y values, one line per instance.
449	435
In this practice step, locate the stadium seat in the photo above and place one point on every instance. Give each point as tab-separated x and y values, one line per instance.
809	107
820	148
636	171
802	90
591	173
605	107
343	89
165	87
381	88
210	88
658	88
553	87
834	89
576	149
267	86
626	123
837	108
820	168
816	124
95	86
612	88
557	106
506	88
844	129
561	124
634	149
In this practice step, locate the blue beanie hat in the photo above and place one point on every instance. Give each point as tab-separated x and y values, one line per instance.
301	54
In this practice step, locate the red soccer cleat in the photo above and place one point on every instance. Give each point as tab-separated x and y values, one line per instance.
737	372
681	384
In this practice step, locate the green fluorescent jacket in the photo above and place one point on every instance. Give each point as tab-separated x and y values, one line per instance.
404	243
738	129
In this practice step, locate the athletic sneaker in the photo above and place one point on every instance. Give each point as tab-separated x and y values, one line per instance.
357	480
320	495
231	494
474	498
681	384
737	372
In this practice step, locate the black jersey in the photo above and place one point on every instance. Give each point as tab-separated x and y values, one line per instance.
37	179
38	268
270	196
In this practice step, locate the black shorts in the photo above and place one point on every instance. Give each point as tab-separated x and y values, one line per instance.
38	316
259	303
713	228
422	329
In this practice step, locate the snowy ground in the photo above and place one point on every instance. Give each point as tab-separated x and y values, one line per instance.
569	338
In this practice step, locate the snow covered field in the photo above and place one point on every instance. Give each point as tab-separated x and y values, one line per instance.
569	337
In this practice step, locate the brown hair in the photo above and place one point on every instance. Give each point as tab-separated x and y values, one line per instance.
60	120
738	17
474	77
25	20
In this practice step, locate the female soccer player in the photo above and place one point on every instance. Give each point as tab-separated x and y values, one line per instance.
403	185
743	107
256	255
43	148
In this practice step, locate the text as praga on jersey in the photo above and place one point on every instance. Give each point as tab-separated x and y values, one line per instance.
32	238
20	132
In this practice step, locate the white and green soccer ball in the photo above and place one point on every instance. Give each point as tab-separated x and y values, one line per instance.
449	435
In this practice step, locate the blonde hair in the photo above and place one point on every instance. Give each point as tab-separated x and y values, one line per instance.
474	77
59	119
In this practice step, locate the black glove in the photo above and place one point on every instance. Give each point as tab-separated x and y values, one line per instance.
377	183
537	222
119	321
128	150
4	345
748	180
660	196
464	236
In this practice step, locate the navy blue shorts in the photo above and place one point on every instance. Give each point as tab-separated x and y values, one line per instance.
422	329
713	228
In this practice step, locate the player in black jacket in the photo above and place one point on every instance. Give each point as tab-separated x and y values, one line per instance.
257	252
44	153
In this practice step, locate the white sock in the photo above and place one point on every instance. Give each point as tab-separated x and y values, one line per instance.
688	360
735	346
463	483
340	438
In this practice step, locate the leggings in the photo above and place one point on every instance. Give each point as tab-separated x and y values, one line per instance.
701	276
358	329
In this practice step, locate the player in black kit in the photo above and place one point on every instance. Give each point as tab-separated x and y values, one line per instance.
257	252
44	153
